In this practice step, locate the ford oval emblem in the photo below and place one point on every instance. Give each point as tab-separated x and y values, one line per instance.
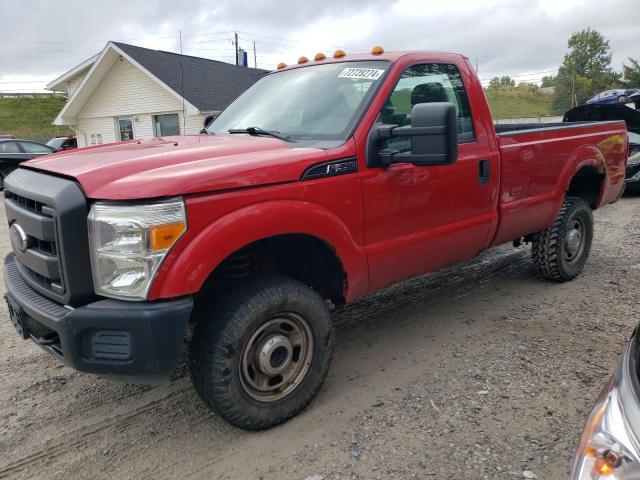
18	238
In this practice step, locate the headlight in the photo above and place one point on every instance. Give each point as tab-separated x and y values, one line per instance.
608	449
129	242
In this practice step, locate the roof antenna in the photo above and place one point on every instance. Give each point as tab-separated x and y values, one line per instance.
184	120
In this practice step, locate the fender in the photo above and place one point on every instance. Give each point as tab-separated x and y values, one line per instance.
199	252
585	156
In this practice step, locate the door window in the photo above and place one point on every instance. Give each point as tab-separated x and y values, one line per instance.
31	147
9	147
165	125
125	128
427	83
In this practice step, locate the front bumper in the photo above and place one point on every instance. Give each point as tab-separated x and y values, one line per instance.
141	342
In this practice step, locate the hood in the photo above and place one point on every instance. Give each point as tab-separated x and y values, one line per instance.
160	167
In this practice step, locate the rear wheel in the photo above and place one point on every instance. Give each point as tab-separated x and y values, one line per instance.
561	251
262	352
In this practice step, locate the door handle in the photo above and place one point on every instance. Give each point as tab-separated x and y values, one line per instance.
483	171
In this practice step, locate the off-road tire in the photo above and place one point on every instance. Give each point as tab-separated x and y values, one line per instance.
548	246
220	338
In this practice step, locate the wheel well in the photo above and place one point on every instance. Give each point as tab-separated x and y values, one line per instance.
587	184
302	257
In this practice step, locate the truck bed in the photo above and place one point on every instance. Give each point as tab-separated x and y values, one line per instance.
538	163
506	129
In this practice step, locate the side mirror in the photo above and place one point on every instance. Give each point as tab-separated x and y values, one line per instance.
207	121
433	134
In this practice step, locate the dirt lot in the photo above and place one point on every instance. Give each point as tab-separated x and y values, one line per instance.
478	371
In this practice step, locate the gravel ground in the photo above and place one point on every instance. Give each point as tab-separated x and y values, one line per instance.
481	370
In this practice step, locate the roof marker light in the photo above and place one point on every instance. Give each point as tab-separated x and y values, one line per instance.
319	56
303	59
339	54
281	65
377	50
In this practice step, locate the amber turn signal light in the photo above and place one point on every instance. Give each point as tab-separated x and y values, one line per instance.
377	50
281	65
339	54
319	56
303	59
164	236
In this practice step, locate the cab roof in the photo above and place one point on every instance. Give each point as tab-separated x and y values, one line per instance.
387	56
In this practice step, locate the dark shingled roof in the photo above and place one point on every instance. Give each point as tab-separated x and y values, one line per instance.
208	84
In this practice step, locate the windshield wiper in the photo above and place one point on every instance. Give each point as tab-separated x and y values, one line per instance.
255	131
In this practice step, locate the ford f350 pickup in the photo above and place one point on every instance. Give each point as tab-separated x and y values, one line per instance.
324	181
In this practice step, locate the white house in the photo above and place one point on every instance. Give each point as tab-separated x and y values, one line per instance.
127	92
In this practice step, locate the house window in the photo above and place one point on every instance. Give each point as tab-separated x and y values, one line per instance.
96	139
124	128
165	125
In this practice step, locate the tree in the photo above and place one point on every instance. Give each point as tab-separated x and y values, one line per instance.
586	69
499	82
548	81
631	74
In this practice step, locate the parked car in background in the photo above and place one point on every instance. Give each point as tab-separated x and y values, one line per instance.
632	175
6	135
63	143
617	95
603	113
610	445
13	152
631	117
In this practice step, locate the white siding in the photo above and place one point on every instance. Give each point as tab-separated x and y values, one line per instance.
104	126
194	123
142	127
128	90
75	82
125	91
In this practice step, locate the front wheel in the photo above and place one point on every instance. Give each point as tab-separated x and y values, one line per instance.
262	352
561	251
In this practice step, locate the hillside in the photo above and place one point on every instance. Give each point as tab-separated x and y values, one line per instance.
31	118
518	102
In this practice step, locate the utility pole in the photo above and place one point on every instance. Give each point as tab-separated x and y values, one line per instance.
255	58
236	44
574	103
476	65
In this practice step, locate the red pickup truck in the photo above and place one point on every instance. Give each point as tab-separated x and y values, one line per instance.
323	182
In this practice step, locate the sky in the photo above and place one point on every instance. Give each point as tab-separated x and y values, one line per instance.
526	39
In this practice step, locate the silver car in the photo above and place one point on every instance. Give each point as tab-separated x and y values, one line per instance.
610	447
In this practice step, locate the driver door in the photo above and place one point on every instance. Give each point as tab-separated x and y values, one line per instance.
420	218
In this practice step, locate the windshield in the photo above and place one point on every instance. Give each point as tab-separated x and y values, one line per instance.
315	102
56	142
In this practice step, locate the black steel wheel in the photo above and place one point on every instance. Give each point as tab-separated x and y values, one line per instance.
560	252
262	351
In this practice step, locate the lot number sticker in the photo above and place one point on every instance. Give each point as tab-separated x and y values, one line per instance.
361	73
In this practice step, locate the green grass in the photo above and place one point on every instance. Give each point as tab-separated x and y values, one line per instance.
504	102
31	118
514	103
